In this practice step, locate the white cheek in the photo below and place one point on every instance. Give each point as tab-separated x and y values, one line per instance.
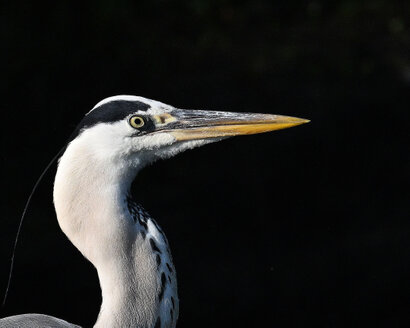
109	142
176	148
152	141
105	142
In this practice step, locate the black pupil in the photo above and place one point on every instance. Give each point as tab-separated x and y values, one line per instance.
138	120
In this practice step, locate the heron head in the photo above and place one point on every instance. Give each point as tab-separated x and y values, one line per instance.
119	136
134	131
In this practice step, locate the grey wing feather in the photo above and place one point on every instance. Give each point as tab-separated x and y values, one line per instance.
33	320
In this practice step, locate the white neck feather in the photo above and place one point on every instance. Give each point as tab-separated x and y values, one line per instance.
90	200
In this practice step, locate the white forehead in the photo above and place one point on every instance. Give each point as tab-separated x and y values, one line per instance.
157	107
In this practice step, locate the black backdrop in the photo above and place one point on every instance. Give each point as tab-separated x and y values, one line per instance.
306	227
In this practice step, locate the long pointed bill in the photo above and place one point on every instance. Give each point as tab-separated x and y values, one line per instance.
198	124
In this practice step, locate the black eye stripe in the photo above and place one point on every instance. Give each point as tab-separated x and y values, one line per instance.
110	112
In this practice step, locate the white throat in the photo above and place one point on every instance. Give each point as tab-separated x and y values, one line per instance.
125	245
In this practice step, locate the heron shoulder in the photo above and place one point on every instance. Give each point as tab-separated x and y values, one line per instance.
34	320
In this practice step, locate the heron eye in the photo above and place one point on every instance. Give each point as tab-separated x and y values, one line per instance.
137	122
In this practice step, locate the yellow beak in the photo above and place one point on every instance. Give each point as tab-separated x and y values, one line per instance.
191	124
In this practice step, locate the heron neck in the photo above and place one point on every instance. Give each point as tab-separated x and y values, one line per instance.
91	205
129	284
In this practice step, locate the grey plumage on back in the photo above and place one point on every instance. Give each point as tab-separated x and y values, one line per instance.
33	320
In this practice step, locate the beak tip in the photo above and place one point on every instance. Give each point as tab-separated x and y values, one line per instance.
297	121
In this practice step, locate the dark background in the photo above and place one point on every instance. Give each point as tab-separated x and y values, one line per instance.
306	227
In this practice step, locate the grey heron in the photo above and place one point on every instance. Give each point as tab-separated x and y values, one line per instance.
94	208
